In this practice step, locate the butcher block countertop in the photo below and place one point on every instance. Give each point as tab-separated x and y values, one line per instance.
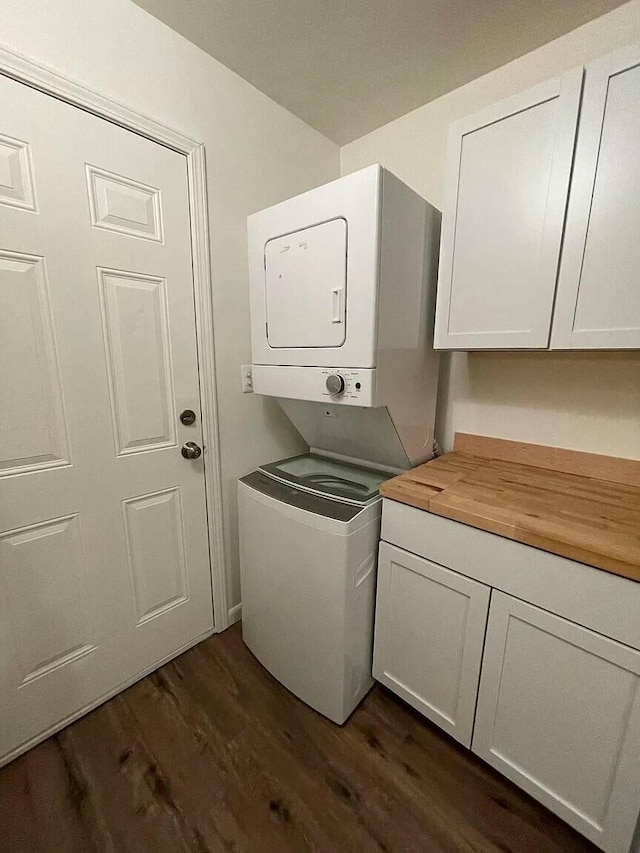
582	506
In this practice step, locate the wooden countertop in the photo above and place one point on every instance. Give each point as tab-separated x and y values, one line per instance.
581	506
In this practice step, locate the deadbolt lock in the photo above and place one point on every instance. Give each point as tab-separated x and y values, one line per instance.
188	417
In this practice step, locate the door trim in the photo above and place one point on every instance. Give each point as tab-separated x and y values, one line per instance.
52	83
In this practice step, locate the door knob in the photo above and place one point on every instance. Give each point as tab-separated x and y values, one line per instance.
190	450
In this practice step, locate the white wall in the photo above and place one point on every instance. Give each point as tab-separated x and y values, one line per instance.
257	154
583	401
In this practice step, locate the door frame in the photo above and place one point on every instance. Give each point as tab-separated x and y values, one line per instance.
50	82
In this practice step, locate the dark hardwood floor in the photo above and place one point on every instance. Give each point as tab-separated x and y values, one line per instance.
211	754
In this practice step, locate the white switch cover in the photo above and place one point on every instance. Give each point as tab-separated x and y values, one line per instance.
247	379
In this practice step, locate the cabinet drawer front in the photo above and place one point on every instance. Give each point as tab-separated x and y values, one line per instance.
554	583
429	634
598	303
559	714
506	186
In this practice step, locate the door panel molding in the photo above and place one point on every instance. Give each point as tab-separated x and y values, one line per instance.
90	706
145	419
46	640
20	192
139	213
50	82
159	583
25	299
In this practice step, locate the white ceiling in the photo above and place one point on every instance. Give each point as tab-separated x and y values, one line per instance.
349	67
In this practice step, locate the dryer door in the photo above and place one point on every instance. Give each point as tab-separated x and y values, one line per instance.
306	287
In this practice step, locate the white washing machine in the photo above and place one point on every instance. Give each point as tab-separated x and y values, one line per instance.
309	531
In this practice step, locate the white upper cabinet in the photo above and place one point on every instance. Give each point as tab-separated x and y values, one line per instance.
598	301
506	191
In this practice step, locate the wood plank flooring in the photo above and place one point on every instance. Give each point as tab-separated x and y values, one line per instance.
211	754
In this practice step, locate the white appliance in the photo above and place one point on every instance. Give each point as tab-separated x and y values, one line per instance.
309	531
342	284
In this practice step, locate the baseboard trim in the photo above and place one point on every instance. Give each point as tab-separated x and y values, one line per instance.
235	613
52	730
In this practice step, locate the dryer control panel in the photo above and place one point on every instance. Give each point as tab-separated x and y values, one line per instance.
344	385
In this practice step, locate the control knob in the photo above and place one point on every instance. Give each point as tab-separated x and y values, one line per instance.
335	384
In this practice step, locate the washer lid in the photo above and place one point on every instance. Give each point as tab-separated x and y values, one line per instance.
330	477
317	504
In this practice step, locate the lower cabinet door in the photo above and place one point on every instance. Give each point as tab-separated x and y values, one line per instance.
429	634
559	714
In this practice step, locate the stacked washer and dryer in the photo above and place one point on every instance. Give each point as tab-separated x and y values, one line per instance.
342	287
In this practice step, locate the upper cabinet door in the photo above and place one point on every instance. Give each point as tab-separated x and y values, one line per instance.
598	303
506	192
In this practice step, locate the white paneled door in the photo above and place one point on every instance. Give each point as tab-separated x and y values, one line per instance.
104	566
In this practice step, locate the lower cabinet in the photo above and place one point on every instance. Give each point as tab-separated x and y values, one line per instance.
558	705
430	625
559	714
